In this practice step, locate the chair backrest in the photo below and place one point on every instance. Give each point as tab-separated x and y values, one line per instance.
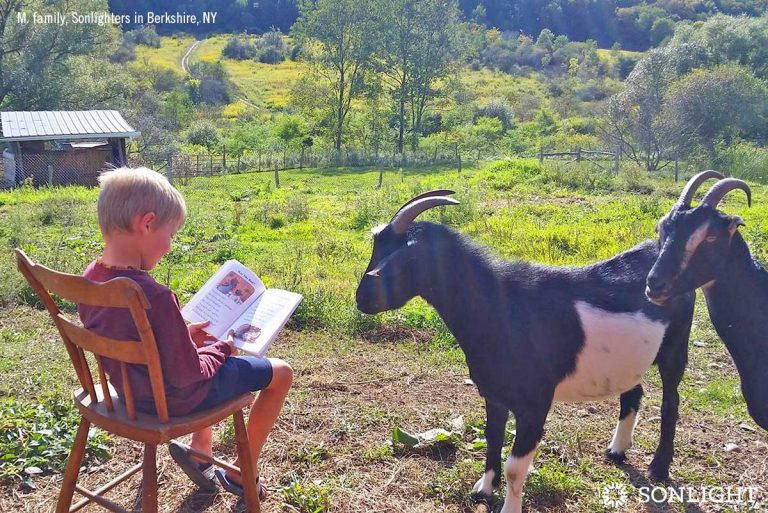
117	293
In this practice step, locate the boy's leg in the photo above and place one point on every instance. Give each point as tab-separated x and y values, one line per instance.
266	408
202	441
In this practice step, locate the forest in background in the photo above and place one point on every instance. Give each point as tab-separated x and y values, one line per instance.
634	24
360	80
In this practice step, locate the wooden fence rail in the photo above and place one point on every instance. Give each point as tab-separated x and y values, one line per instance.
579	155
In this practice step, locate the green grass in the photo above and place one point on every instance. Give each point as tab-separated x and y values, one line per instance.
169	55
554	214
266	85
610	56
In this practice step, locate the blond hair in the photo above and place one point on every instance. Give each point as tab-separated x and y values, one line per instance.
128	192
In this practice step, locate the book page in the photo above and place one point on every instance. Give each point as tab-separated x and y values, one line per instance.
229	292
259	326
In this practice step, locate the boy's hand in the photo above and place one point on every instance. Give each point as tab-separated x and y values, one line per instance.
231	342
198	334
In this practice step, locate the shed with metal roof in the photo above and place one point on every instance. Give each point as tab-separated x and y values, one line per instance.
62	147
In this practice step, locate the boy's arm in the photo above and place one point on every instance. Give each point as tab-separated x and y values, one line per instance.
183	364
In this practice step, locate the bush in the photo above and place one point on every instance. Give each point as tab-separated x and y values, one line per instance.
239	48
203	133
271	55
272	48
211	84
746	161
124	53
209	91
498	108
625	65
146	36
506	174
578	177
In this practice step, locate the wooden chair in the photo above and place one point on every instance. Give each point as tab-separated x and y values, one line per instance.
100	406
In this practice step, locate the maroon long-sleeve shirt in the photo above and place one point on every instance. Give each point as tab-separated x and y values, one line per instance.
187	369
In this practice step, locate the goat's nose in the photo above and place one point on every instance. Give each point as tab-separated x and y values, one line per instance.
656	287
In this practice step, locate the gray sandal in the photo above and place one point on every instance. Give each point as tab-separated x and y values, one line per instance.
201	474
236	488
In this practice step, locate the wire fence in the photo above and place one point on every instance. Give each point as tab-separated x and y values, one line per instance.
83	167
185	166
59	167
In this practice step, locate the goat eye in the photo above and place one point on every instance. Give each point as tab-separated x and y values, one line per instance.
711	238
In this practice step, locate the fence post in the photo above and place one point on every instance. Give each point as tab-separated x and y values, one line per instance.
50	175
210	164
238	163
541	154
197	173
578	154
224	160
616	157
381	177
277	174
169	168
676	168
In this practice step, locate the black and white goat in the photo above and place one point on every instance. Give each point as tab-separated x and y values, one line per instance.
702	247
533	335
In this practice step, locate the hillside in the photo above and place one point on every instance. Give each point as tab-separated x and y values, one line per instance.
634	24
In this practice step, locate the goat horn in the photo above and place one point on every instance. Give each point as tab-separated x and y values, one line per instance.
403	219
723	187
428	194
690	188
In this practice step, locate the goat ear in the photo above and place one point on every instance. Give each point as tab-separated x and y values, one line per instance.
394	264
736	221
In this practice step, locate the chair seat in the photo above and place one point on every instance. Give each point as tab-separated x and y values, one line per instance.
146	427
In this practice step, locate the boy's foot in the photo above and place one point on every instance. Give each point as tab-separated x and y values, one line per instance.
201	474
236	488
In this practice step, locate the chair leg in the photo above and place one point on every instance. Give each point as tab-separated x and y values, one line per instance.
73	467
149	480
247	465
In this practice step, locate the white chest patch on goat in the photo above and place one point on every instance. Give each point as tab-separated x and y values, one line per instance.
618	350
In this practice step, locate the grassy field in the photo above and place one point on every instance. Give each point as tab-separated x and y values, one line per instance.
357	377
265	85
169	54
268	85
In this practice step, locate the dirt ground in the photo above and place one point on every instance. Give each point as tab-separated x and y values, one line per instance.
347	397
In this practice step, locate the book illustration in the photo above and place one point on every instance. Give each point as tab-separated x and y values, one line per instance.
246	334
235	299
235	286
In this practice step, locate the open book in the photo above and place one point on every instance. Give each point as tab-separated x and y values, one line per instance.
236	299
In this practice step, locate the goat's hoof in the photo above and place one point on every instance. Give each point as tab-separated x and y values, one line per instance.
478	497
616	457
658	473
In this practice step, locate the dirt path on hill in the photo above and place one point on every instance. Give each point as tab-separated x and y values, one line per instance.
188	54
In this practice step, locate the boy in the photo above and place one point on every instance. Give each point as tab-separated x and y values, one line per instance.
139	213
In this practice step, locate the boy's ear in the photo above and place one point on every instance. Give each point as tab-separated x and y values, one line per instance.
143	223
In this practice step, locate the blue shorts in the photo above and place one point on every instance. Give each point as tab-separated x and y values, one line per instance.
238	375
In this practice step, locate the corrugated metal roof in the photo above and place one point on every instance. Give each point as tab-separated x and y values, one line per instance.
73	124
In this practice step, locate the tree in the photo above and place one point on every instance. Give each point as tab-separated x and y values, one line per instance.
203	133
718	104
661	29
634	119
654	123
289	133
38	69
484	135
423	40
337	37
